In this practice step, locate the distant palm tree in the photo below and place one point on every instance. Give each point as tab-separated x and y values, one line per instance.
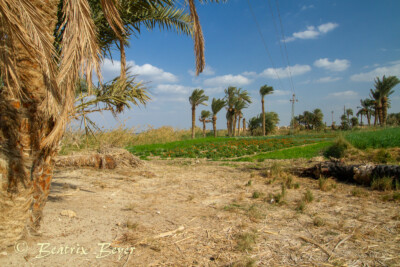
197	98
264	90
239	106
216	106
349	112
365	109
385	88
230	98
205	118
376	101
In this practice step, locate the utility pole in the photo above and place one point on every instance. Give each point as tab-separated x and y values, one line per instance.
332	117
292	121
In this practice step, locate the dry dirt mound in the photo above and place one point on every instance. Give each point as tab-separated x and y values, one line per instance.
110	159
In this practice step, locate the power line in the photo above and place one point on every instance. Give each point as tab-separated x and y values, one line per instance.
284	42
265	44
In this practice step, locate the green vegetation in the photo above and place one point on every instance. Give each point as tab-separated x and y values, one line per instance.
384	138
246	241
338	148
219	148
307	152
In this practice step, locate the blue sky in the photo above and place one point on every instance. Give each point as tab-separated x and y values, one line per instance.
335	50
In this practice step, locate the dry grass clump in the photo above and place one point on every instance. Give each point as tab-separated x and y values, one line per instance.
382	184
308	196
318	221
246	241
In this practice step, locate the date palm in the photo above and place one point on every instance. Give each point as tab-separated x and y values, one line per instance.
197	98
376	101
385	88
37	98
205	118
216	106
264	90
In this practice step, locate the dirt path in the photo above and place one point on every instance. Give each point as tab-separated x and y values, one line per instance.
198	213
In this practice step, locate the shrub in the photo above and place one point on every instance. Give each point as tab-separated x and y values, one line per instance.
338	149
308	196
301	206
318	221
383	156
382	184
245	241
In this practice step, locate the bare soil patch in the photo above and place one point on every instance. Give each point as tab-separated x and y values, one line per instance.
201	213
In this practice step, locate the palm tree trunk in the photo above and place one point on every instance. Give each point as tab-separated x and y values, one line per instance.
193	120
376	115
234	125
204	128
368	118
123	59
384	110
214	120
244	126
263	116
25	168
380	114
238	126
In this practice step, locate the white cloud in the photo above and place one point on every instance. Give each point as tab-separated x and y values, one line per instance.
344	94
111	69
281	92
313	32
208	71
172	88
392	69
225	80
336	65
305	7
284	72
249	73
327	27
328	79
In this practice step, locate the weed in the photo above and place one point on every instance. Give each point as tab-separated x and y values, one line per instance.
308	196
318	221
232	207
289	182
131	225
323	184
338	149
358	192
383	156
254	212
257	194
296	186
275	169
248	183
246	241
395	196
382	184
301	206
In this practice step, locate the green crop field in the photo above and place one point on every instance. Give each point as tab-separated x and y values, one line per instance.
227	148
382	138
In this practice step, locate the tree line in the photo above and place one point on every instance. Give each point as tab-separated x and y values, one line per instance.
235	100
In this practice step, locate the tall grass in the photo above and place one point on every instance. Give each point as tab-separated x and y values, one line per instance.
121	137
382	138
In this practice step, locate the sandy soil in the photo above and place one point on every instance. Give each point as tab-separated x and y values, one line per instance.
198	213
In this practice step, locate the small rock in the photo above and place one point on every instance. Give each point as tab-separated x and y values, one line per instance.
272	201
68	213
3	253
158	212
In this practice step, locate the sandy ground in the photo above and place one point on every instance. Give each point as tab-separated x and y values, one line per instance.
198	213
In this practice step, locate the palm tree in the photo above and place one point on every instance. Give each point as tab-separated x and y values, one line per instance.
216	106
197	98
385	88
239	106
244	126
365	109
376	101
230	98
264	90
38	94
205	118
349	112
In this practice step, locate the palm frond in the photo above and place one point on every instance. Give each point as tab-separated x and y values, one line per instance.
112	15
198	38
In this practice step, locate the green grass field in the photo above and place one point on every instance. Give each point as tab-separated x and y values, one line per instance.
381	138
307	152
229	148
